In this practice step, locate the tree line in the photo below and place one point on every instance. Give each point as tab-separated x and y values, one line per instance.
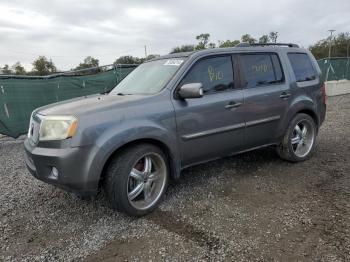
204	42
340	44
44	66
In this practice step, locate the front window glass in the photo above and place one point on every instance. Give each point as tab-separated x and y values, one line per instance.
149	78
214	73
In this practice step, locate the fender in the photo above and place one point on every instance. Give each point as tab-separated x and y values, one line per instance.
118	136
300	103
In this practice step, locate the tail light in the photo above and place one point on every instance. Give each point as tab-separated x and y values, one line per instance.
324	95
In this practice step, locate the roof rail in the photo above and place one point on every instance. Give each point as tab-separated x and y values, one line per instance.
244	44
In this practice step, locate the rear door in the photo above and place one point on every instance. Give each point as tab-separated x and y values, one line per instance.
211	126
265	97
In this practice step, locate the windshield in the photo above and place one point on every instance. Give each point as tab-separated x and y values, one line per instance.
148	78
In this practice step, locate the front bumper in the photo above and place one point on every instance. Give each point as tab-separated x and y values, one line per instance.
74	165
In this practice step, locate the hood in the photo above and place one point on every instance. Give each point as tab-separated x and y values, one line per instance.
84	105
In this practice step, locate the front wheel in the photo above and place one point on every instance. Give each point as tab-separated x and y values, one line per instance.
299	141
136	179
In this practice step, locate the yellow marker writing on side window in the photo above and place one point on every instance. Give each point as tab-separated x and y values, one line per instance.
214	75
261	68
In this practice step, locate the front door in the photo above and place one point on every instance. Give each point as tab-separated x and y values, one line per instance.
211	126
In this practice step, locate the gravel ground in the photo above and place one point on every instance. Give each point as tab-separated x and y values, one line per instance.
249	207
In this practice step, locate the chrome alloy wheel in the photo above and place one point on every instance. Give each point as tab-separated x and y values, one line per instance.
147	181
303	138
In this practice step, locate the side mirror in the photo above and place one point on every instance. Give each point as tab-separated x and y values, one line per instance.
192	90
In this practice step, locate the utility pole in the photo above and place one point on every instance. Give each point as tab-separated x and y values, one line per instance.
145	51
347	44
347	55
330	42
329	52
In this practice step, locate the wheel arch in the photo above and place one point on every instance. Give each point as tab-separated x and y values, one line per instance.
174	163
305	106
309	112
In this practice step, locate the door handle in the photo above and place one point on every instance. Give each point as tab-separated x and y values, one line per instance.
285	95
233	104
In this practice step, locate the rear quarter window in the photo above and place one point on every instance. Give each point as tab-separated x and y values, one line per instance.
302	67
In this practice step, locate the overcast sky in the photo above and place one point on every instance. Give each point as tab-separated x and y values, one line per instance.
68	31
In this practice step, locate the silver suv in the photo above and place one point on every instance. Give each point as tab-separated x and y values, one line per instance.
177	111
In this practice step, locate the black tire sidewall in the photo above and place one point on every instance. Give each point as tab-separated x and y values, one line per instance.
118	175
297	119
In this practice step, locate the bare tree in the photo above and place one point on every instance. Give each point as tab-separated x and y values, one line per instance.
273	36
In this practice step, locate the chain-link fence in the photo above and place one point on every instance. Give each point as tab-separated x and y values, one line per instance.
336	68
20	95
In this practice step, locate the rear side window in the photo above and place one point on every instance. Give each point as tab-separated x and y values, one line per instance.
214	73
261	69
302	67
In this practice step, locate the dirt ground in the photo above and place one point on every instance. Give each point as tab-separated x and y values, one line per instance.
252	207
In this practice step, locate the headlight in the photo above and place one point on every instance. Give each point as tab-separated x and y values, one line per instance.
30	125
57	127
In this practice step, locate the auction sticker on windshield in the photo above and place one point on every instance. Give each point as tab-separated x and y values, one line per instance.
174	62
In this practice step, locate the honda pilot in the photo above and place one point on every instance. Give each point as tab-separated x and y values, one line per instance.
177	111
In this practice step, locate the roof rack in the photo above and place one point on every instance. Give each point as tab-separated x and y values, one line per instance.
244	44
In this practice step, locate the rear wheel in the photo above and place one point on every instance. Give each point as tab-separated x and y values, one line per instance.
299	141
136	179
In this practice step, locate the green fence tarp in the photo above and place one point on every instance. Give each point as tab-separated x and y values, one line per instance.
20	96
339	68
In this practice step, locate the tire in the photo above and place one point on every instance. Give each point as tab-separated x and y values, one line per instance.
143	166
298	145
